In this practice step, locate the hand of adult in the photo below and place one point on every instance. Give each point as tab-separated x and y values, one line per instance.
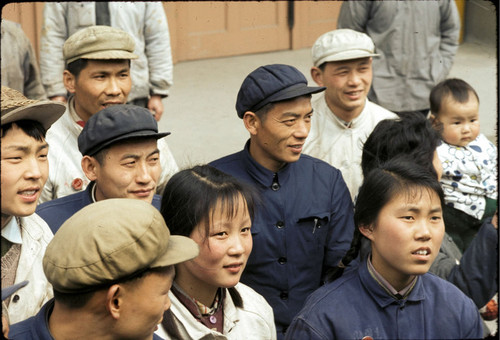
156	106
494	220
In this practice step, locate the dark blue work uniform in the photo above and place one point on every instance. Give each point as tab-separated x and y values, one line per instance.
303	227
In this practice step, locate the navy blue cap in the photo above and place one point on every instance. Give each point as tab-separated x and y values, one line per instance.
269	84
116	123
8	291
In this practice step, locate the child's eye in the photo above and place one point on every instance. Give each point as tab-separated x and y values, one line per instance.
245	230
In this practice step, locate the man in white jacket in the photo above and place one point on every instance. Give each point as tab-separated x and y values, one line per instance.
97	75
146	22
343	116
24	170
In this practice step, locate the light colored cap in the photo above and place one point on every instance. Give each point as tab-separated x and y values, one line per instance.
342	44
99	42
15	106
109	241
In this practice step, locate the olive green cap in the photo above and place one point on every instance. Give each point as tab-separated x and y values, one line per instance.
109	241
99	42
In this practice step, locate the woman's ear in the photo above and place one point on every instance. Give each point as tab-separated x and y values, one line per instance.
366	231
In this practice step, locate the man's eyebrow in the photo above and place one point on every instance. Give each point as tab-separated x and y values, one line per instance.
294	114
26	149
153	152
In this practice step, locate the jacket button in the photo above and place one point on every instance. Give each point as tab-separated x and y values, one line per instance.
282	260
15	298
275	186
280	224
284	295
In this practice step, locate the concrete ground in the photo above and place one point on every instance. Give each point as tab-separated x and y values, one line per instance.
201	115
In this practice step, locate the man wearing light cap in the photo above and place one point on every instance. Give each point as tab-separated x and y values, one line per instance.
97	75
111	266
305	222
24	170
343	116
120	158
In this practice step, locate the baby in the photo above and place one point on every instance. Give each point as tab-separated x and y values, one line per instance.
468	158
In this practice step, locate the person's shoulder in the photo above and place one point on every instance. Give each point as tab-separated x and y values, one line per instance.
316	165
23	330
36	227
250	297
60	204
382	112
445	289
337	290
227	160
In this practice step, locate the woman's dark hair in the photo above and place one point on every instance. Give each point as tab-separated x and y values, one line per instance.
397	176
458	89
411	135
32	128
191	195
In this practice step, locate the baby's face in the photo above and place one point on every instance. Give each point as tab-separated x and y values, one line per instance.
460	120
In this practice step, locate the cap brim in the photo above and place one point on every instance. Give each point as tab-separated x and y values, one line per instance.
291	92
179	249
105	55
6	292
44	112
346	55
135	134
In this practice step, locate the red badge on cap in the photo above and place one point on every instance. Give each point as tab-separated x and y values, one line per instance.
77	184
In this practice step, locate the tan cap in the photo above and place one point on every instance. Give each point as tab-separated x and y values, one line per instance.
342	44
15	106
111	240
99	42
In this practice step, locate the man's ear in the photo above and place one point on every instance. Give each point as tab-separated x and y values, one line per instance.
69	81
317	75
89	167
251	122
367	231
114	301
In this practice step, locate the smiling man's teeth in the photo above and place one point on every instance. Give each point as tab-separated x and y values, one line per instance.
421	252
28	192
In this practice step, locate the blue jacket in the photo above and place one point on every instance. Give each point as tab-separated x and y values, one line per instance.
36	327
57	211
301	229
355	306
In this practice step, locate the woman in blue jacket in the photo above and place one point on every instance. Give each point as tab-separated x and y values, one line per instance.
390	295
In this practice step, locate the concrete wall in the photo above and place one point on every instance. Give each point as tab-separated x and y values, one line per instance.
481	21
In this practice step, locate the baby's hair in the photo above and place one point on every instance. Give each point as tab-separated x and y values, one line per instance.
397	176
458	89
411	134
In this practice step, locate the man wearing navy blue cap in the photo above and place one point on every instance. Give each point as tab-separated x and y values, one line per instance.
120	158
305	222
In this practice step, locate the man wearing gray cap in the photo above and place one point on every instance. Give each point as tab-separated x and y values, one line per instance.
24	170
343	116
120	158
305	222
97	75
111	266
